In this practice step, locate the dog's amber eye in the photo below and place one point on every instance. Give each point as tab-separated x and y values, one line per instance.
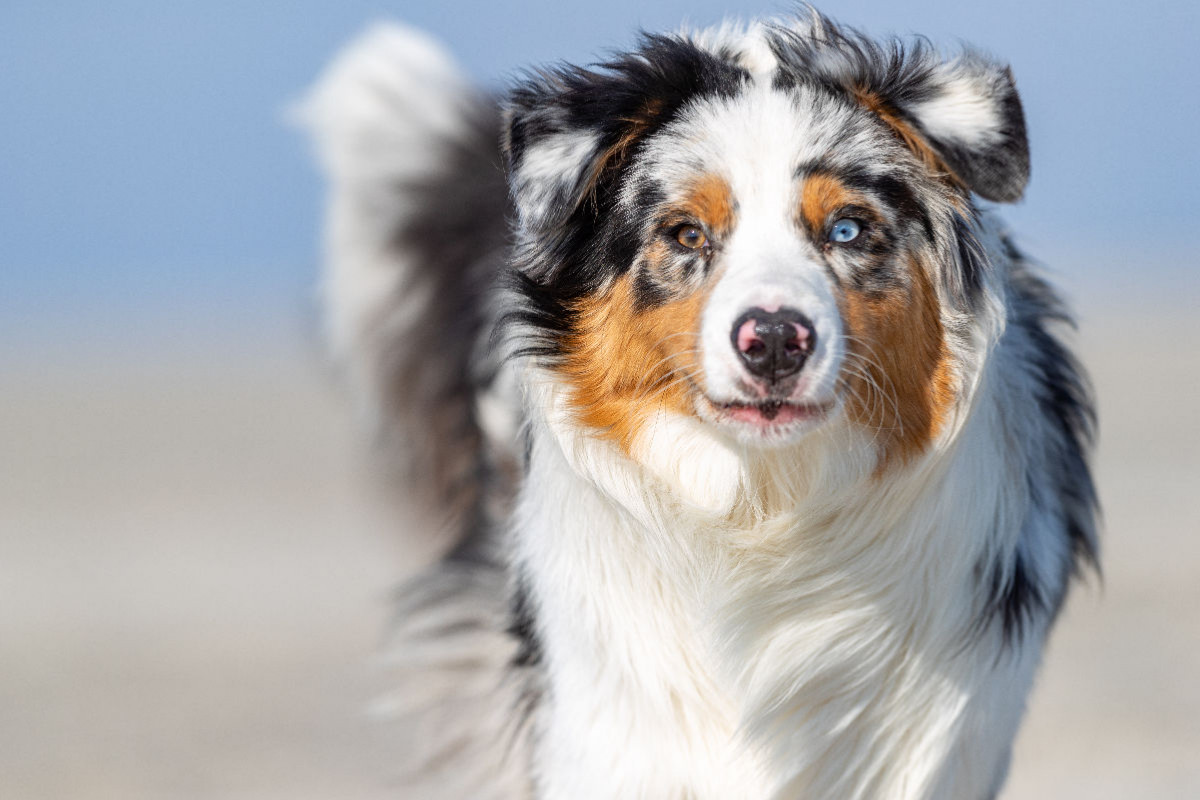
691	237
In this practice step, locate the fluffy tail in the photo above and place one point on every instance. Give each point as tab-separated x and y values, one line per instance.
415	241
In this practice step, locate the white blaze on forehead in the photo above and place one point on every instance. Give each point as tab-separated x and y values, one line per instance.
755	140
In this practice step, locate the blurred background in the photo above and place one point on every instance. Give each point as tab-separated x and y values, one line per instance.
194	567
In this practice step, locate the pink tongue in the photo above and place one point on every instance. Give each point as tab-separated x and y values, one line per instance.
746	335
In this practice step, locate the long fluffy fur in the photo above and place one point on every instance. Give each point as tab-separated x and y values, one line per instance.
655	608
416	238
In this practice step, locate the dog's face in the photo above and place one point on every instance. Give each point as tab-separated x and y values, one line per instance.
763	232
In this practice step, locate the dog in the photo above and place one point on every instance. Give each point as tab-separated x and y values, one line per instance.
763	459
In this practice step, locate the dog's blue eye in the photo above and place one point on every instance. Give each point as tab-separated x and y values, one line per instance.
844	230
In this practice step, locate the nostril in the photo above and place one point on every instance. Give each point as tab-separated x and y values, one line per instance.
745	336
773	344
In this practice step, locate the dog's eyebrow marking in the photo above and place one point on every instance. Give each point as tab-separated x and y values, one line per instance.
711	200
810	167
851	176
891	189
822	194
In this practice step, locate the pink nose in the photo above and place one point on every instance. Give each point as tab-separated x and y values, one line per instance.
773	344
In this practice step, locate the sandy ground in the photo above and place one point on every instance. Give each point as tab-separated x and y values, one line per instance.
194	577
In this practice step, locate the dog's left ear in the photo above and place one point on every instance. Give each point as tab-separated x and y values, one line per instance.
961	116
969	112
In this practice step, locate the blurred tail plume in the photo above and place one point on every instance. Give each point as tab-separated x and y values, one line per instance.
416	236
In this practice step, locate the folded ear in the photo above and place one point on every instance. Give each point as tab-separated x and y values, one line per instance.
568	130
552	155
961	115
971	115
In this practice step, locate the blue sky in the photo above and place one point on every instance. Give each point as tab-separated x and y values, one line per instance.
146	169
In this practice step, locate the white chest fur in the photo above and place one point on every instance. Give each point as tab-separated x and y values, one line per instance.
827	654
635	708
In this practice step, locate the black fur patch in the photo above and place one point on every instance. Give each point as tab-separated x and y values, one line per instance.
1016	599
522	626
898	72
647	293
897	193
966	283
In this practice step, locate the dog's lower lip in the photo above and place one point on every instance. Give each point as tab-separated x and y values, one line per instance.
772	412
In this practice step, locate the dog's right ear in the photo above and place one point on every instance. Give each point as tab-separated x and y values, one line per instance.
568	131
551	156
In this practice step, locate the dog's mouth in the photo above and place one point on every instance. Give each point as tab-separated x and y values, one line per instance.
770	415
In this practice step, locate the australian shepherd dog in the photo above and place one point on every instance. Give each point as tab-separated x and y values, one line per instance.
765	464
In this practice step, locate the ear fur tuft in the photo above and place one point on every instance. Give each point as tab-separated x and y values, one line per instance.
975	121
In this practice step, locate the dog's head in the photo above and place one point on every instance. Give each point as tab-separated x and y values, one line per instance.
761	230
